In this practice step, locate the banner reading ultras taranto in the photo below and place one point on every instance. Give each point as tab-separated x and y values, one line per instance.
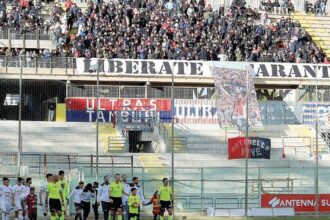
85	109
185	110
235	88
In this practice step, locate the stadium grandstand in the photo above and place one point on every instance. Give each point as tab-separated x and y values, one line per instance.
162	109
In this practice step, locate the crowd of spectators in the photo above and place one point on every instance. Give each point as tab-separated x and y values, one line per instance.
153	29
22	15
318	7
277	6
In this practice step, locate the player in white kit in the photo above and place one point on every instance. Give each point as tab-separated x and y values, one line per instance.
42	195
16	196
5	198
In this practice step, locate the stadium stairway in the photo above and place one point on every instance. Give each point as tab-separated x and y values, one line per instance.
106	132
200	138
317	26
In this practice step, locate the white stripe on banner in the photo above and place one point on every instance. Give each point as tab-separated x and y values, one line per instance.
199	111
310	113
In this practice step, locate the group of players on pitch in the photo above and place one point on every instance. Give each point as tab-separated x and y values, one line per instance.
115	198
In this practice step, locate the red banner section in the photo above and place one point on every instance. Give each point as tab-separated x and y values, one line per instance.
236	148
300	202
109	104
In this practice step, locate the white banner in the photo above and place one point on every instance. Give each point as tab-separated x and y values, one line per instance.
127	67
142	67
198	111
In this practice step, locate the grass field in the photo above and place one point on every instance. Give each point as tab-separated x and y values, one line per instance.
258	218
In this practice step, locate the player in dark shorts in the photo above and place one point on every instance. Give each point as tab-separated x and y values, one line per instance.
76	194
55	196
165	199
104	198
116	193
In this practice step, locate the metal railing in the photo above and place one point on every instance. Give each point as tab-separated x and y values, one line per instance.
40	164
180	143
113	91
196	188
295	146
34	63
13	34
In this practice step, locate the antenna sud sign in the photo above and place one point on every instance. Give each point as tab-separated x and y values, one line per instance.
300	202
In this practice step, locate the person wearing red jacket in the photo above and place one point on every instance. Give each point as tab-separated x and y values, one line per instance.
155	205
31	202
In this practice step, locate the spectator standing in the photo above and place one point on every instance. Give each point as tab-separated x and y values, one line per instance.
323	5
170	6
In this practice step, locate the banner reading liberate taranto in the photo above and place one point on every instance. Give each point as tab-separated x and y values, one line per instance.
131	67
258	148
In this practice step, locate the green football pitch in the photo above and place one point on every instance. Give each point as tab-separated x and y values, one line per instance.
257	218
254	218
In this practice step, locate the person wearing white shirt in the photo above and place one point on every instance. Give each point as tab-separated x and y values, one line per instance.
104	197
76	194
27	186
87	195
135	182
42	195
16	194
127	189
170	7
191	10
5	198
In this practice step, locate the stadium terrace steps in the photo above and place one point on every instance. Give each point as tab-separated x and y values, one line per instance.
49	137
149	160
107	130
211	139
318	27
205	160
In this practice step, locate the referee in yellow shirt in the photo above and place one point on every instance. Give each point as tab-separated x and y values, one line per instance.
165	199
64	185
55	195
116	189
